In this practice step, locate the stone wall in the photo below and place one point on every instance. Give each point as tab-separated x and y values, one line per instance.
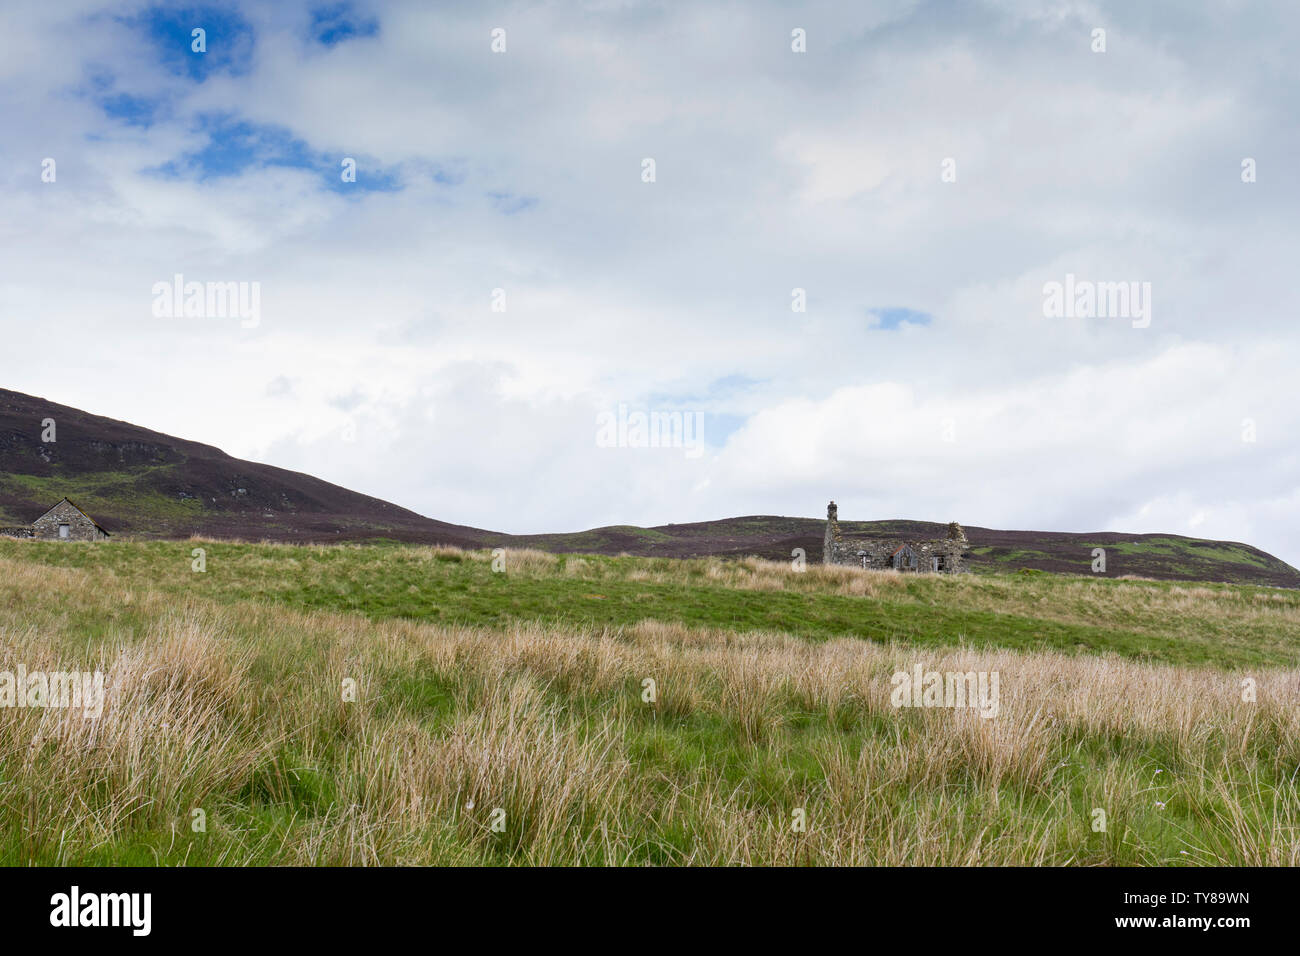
941	555
26	531
80	528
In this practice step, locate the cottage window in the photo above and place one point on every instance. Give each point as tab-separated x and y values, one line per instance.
65	531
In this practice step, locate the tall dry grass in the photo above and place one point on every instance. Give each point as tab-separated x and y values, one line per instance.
237	711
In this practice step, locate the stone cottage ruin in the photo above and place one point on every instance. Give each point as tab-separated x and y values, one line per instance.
938	556
64	522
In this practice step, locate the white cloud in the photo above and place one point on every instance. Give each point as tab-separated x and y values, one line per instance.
776	170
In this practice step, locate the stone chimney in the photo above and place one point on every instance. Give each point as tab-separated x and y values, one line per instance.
832	532
956	532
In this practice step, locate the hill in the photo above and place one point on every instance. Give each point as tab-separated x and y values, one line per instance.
147	484
1161	556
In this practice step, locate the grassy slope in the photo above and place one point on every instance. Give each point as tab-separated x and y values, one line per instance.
1223	625
522	690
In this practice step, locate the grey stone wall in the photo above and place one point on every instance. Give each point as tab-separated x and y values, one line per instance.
23	532
80	528
938	555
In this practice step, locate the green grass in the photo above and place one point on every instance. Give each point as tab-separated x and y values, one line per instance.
1216	551
1134	619
128	491
247	725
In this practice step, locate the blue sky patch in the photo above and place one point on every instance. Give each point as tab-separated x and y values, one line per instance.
131	110
371	178
719	426
895	317
234	146
332	24
229	40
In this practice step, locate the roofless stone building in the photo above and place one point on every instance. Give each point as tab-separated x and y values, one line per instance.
938	556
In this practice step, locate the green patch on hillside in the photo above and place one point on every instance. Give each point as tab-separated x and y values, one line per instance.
129	491
1013	555
1197	550
599	539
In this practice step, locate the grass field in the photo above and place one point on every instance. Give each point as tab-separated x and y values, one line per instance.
517	698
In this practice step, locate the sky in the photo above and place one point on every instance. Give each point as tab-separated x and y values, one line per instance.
824	235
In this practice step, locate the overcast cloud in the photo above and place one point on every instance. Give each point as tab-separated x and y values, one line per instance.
922	381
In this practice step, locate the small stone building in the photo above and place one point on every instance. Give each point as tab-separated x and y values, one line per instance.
940	556
64	522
